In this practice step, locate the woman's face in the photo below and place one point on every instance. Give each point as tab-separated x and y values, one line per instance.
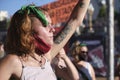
84	50
45	33
80	53
83	55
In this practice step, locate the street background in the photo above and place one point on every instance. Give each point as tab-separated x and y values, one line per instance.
93	31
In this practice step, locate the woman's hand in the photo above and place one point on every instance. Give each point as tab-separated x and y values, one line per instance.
61	55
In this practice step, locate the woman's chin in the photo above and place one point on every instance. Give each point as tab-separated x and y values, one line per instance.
50	43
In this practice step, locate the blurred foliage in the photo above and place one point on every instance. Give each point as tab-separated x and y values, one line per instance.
102	12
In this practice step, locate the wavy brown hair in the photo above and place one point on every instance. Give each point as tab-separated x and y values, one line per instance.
19	36
75	52
76	49
20	39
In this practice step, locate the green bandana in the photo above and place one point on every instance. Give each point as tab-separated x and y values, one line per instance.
82	44
32	9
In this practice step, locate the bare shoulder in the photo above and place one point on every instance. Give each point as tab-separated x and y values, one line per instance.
10	59
9	65
84	64
87	64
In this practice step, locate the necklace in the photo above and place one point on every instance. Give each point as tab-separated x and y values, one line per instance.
39	61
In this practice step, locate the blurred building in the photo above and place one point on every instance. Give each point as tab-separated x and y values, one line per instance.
3	19
3	15
3	25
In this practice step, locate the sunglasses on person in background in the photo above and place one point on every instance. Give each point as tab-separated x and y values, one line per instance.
84	51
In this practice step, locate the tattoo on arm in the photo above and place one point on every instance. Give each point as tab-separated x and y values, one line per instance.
60	37
81	4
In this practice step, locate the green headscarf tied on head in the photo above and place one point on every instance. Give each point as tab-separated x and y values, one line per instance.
32	9
82	44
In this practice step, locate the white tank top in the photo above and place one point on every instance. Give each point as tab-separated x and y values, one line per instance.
87	70
38	73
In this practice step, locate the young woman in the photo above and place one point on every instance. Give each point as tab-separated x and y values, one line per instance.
79	55
30	47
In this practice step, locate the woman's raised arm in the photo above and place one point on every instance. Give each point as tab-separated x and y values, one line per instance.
74	21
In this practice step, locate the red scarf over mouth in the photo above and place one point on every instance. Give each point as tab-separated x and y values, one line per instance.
40	46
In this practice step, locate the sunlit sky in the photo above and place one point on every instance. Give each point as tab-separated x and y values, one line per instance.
13	5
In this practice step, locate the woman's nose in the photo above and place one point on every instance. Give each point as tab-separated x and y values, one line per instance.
52	29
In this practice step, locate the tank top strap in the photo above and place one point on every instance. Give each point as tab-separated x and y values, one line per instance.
89	68
21	62
46	60
22	67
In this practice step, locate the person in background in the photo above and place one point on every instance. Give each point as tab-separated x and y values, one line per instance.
31	47
63	65
79	56
2	53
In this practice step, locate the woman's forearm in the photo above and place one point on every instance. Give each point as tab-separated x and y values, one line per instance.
74	21
71	69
